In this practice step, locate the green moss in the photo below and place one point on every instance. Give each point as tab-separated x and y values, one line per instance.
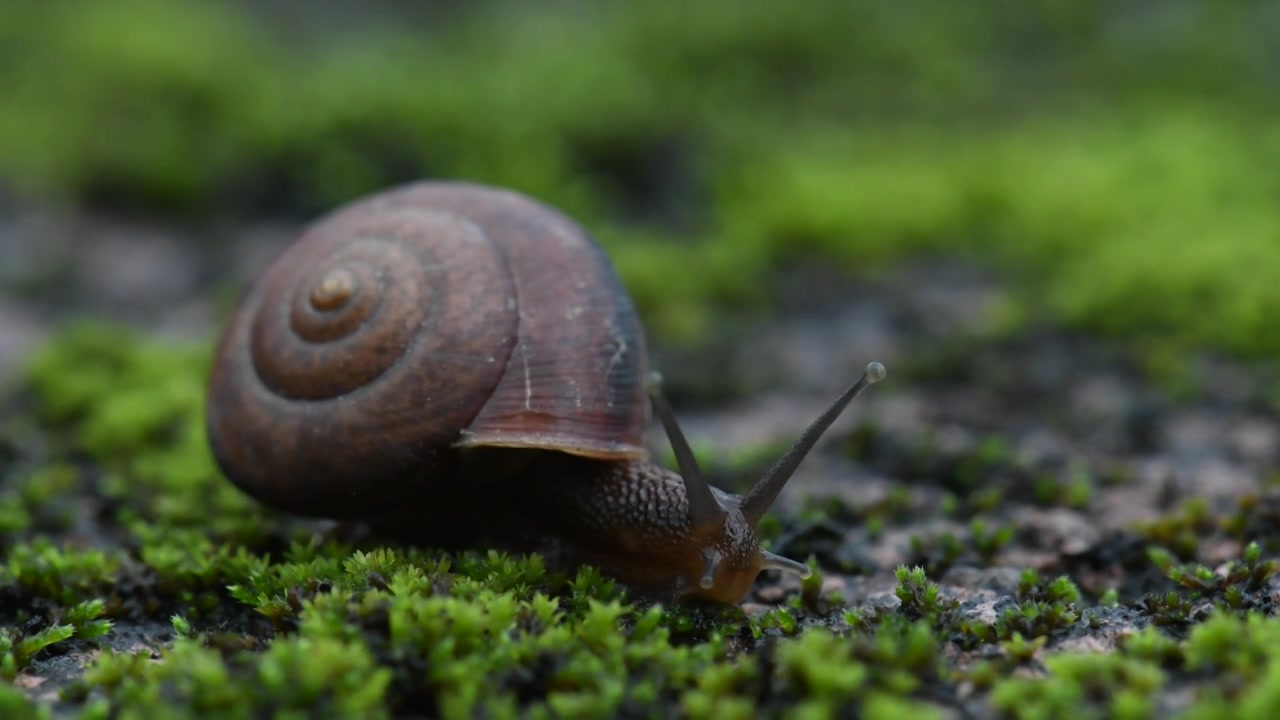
1152	645
1236	656
14	704
1043	608
380	634
136	407
707	150
1237	585
33	500
1084	686
63	575
919	596
265	617
268	621
989	542
1254	519
19	646
1080	206
1251	670
294	676
1179	532
936	553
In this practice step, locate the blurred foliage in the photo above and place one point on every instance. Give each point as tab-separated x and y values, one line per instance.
1115	155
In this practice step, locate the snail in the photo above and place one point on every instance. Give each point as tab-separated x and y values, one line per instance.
459	363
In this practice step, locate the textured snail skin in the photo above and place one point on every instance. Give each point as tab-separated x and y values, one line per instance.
628	518
459	365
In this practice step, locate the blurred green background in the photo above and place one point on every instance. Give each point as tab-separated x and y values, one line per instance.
1116	160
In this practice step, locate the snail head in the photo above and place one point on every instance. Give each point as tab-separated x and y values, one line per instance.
723	525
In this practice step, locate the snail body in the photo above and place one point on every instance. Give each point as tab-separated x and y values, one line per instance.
458	364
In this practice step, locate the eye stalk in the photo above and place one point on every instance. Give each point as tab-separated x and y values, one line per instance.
704	510
730	552
712	557
760	497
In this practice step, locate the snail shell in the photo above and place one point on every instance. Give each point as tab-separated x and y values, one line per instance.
460	363
413	324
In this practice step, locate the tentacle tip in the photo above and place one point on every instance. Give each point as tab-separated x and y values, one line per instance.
769	561
875	372
712	557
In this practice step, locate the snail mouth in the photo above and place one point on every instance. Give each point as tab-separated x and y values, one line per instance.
730	566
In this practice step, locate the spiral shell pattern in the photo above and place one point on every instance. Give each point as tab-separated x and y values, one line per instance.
413	323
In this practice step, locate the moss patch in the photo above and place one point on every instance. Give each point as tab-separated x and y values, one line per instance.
144	553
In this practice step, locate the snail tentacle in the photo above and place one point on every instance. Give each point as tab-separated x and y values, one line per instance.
704	510
757	501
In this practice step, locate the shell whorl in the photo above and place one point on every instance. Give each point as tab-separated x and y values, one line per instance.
410	323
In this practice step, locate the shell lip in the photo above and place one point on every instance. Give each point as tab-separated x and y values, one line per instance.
602	450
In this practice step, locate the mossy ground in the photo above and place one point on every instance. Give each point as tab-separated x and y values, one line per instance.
963	567
1063	504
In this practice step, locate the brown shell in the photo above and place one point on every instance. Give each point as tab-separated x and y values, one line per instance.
411	323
